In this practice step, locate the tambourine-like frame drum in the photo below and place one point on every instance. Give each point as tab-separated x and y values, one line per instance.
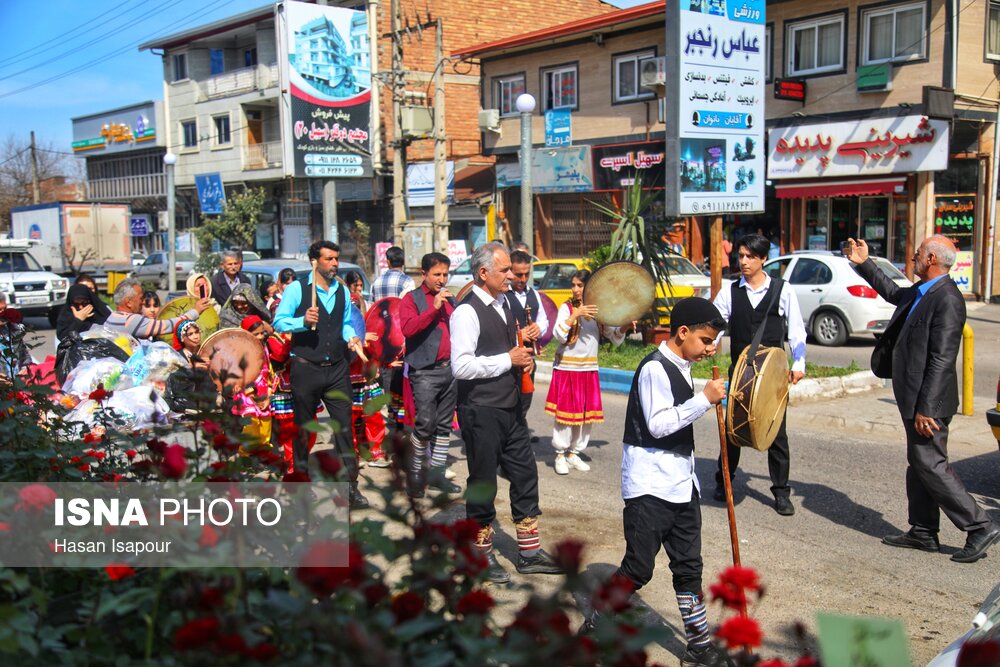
758	395
383	319
235	358
208	321
622	291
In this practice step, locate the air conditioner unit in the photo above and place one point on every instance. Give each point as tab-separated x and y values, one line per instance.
653	73
489	120
417	122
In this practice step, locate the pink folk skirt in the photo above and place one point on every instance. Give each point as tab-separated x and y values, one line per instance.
575	397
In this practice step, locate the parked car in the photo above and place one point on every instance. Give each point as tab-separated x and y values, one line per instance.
26	284
985	628
835	301
156	269
250	256
461	275
993	417
268	269
138	258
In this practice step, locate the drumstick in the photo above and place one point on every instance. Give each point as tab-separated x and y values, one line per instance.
728	485
313	325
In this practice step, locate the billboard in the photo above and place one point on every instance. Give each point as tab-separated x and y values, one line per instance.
126	129
715	130
329	84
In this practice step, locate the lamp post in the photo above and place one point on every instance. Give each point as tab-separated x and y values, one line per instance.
169	160
525	104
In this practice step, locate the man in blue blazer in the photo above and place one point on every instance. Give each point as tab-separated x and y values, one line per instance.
918	351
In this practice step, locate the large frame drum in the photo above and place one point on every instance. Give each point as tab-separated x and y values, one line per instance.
235	358
758	396
622	291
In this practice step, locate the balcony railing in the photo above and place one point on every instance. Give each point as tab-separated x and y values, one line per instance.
262	156
258	77
128	187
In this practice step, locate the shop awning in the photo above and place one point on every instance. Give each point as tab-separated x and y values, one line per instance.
816	189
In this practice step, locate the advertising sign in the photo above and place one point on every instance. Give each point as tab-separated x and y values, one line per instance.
457	251
617	166
117	131
558	127
329	77
871	146
211	194
420	183
718	82
565	169
381	263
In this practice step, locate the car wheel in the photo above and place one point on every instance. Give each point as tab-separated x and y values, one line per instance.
829	329
54	315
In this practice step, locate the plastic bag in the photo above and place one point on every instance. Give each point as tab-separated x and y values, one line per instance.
162	360
137	408
107	372
122	340
190	389
74	349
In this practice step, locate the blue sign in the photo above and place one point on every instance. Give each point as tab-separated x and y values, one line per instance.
35	233
211	194
558	130
138	225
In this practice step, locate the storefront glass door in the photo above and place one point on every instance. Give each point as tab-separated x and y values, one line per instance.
843	220
874	220
817	223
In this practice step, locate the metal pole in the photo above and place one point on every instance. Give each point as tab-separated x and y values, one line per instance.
527	213
441	226
35	197
171	227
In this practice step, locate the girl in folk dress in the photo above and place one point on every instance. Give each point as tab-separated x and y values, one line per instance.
369	429
574	397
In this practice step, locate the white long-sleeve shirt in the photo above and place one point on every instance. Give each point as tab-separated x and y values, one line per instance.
465	365
582	354
788	307
656	472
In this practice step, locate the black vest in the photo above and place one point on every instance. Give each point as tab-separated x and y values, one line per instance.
495	337
421	350
637	432
519	313
744	320
326	343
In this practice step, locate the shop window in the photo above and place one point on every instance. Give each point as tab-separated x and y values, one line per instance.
559	88
993	31
817	224
874	219
179	67
817	46
810	272
505	92
626	71
894	34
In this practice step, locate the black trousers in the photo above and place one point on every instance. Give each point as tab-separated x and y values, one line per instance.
652	522
391	380
434	394
498	436
778	461
933	487
312	383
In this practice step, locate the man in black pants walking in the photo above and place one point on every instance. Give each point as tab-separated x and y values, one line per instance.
523	299
321	337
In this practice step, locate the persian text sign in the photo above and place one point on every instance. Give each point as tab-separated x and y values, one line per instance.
720	94
330	88
859	148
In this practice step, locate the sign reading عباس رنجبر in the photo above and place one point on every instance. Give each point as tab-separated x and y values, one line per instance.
718	82
330	90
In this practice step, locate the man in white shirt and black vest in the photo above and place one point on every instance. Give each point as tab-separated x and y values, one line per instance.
759	299
488	362
322	337
523	301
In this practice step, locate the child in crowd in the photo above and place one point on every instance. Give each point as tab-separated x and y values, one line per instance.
255	400
187	341
150	305
369	427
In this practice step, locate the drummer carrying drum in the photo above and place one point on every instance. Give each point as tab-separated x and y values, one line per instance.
758	300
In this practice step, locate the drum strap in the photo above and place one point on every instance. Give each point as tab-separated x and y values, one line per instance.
759	334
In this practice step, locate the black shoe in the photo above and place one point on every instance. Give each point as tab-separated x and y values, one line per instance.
783	506
977	543
444	485
416	482
540	563
534	439
719	494
913	540
356	499
708	655
495	572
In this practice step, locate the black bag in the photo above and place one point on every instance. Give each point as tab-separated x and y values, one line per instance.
73	349
190	389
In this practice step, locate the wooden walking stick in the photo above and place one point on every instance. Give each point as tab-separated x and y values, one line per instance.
313	326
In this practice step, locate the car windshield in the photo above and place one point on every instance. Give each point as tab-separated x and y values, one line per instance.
18	261
889	269
680	266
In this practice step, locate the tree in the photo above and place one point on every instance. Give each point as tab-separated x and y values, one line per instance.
235	228
15	171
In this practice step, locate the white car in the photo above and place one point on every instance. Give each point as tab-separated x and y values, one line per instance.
836	302
156	269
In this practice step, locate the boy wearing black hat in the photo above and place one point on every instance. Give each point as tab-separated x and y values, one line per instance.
659	485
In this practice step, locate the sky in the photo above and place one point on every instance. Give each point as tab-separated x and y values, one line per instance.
78	58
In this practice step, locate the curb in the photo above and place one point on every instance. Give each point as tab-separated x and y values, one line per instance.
616	381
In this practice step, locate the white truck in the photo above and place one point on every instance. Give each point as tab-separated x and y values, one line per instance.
27	286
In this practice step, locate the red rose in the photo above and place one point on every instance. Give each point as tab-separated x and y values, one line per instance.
100	456
174	462
730	596
196	633
465	531
99	394
156	446
476	602
91	438
568	555
231	643
131	454
740	577
613	596
209	537
296	476
375	593
210	427
262	652
35	497
407	606
117	572
809	661
740	631
329	463
4	527
210	597
772	663
316	573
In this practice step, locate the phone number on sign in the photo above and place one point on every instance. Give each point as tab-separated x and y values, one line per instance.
722	206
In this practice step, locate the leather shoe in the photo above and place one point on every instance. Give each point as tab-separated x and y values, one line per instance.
719	495
356	499
495	572
977	543
783	506
540	563
912	540
444	485
708	655
416	482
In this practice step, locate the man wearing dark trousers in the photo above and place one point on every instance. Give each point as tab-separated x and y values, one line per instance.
760	300
488	363
918	351
522	300
424	314
322	335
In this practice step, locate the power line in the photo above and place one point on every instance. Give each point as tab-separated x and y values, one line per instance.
16	155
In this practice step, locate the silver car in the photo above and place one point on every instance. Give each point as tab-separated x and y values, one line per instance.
836	302
156	269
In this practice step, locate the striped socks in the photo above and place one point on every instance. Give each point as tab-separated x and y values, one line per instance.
439	451
484	538
419	454
692	606
528	541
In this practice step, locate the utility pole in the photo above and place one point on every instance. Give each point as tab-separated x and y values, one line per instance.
441	231
35	196
396	87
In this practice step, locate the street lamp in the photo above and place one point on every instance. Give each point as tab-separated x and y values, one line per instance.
525	104
169	160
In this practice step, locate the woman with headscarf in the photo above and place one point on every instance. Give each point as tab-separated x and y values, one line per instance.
82	310
242	303
199	286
